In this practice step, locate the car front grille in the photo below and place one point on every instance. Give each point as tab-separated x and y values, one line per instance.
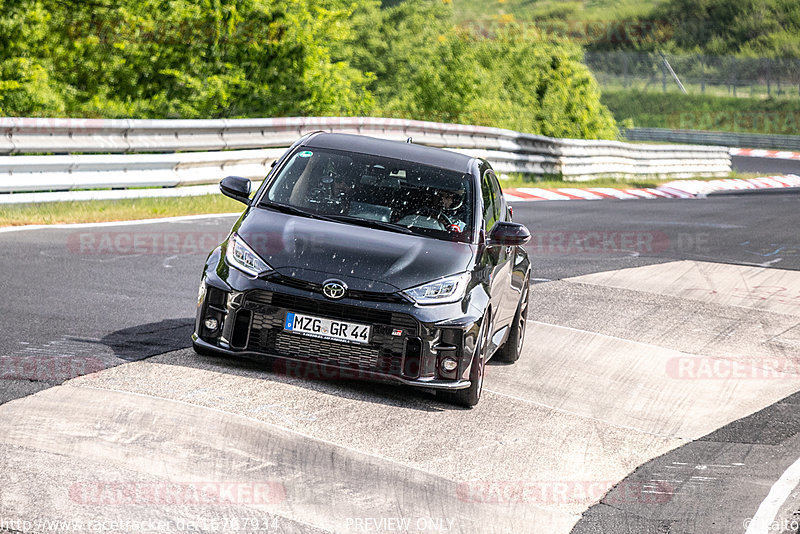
384	353
353	293
324	351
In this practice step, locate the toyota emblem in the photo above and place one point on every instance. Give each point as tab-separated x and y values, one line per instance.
334	289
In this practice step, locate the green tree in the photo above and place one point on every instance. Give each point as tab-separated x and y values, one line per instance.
26	87
192	58
263	58
427	68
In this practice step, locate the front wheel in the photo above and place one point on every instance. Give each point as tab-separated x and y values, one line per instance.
470	396
512	348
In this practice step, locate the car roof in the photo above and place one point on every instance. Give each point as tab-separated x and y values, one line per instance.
435	157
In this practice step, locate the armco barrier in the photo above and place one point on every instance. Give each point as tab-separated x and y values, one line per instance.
730	139
47	173
123	153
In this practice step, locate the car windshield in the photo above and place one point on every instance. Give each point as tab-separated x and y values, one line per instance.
386	193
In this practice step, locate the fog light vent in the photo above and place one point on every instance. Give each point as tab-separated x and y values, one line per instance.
449	365
411	361
241	329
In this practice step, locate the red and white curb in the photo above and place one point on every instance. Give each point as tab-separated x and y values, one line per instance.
676	189
761	153
591	193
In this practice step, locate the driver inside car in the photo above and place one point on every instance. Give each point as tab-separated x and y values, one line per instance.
340	190
341	186
451	203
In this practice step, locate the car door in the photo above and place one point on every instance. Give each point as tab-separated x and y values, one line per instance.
516	255
505	256
496	258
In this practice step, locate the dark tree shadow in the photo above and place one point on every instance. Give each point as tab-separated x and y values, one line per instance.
146	340
152	339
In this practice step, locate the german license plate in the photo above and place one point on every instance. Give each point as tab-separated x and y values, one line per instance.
326	328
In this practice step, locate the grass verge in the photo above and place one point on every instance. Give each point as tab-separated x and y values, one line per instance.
114	210
779	116
519	180
150	208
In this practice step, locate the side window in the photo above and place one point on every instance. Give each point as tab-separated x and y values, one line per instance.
489	206
500	210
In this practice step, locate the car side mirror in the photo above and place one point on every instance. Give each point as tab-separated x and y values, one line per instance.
508	234
236	187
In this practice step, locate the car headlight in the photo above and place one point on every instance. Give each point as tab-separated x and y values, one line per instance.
441	291
201	292
240	255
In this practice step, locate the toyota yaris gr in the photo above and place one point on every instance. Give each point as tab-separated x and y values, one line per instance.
371	258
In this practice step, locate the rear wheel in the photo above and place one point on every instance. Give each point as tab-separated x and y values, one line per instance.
470	396
512	348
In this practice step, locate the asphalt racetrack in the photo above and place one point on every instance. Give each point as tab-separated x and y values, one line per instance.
765	165
657	391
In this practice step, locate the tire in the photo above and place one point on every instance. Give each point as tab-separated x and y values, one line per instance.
470	396
512	348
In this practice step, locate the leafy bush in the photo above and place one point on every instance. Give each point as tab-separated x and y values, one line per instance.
425	67
26	88
768	28
261	58
181	58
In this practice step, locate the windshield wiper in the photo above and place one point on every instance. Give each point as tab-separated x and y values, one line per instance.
372	223
293	210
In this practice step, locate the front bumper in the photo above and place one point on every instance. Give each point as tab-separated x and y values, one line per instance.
331	372
251	319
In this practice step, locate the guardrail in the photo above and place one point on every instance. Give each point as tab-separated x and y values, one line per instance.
95	171
129	153
729	139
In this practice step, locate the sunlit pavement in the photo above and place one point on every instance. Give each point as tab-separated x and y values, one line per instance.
622	367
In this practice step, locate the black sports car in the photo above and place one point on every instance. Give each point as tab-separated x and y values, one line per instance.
371	258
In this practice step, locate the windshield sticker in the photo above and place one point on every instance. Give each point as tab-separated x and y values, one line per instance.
305	154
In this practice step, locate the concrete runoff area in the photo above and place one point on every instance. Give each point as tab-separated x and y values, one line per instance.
641	387
762	288
653	319
592	398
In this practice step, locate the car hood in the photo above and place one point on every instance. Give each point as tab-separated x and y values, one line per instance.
366	259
